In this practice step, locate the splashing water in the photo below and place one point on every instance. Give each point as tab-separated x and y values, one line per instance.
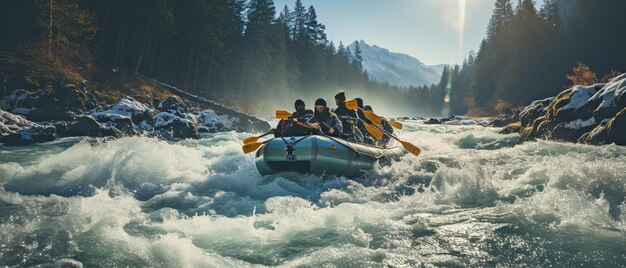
473	198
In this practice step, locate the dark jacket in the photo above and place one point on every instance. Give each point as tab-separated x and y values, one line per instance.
328	120
301	114
343	113
294	125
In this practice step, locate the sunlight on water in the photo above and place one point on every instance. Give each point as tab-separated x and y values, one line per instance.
472	198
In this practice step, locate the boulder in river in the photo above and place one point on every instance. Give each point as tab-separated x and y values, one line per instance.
175	121
587	114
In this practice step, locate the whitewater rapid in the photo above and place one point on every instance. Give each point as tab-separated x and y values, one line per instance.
473	198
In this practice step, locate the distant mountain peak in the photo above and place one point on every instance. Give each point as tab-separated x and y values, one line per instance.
396	68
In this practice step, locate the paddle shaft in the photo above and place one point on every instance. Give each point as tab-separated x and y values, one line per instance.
381	130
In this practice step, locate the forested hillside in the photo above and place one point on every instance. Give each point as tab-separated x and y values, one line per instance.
531	54
244	53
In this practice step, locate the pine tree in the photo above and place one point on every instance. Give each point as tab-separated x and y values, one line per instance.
313	30
299	16
502	14
286	20
66	23
258	49
357	62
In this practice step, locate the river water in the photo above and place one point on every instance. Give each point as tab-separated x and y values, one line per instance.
473	198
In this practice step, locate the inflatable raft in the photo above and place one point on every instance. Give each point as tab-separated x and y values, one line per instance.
321	155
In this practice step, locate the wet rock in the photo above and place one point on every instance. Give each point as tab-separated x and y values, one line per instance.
433	121
563	118
60	127
210	122
511	128
170	126
44	105
16	130
87	126
616	128
173	104
534	111
505	119
126	107
586	114
175	121
124	115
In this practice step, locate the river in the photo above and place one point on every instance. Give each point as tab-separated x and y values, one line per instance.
473	198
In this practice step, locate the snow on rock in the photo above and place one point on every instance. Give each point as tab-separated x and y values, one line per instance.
175	121
124	115
125	107
88	126
209	121
588	114
47	105
580	96
579	123
534	110
16	130
613	90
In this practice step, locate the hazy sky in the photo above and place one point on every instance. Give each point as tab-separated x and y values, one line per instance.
434	31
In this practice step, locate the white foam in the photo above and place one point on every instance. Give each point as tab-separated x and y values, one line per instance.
202	202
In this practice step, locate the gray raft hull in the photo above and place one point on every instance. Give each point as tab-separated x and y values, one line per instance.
320	155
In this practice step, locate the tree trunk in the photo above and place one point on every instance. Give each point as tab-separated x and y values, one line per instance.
50	34
144	45
120	40
189	64
154	53
210	74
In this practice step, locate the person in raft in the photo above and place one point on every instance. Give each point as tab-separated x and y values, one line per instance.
325	120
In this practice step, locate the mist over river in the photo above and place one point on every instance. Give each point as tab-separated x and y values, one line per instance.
472	198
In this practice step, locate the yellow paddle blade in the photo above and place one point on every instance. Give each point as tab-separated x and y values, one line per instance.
352	105
282	114
250	140
251	147
375	132
411	148
396	124
376	119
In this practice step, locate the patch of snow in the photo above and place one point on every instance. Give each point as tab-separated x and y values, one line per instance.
545	103
396	68
124	108
614	89
579	123
163	119
597	131
581	96
145	126
209	120
16	124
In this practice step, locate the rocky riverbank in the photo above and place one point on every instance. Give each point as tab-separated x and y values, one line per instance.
593	114
31	117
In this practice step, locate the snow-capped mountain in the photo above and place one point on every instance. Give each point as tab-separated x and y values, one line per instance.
396	68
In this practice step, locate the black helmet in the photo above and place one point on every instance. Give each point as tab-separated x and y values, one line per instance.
367	108
320	102
359	101
341	96
299	102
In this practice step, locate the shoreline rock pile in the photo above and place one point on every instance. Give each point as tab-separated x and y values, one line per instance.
34	117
